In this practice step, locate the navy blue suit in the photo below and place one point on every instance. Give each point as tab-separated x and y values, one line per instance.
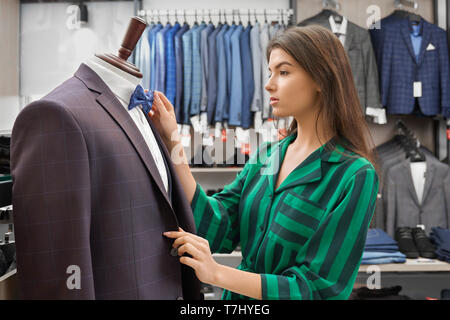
400	69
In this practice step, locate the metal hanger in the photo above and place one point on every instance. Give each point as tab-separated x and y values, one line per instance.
256	18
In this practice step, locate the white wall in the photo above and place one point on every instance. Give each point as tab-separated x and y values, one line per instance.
50	52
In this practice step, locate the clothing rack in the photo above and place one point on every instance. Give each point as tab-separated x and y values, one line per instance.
281	13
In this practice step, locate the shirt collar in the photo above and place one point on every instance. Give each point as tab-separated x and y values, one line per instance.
415	30
121	83
334	28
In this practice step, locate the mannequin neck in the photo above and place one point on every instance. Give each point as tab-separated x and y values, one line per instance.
122	84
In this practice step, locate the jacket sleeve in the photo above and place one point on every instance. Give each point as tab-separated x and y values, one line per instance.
217	217
328	266
371	72
391	209
444	70
51	203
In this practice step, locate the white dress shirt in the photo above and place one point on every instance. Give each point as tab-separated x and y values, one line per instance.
339	28
123	85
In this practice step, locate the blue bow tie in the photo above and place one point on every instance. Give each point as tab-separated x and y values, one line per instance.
140	97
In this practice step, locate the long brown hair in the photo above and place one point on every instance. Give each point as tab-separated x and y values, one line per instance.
320	53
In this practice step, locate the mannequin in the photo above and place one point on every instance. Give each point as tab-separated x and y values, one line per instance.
92	193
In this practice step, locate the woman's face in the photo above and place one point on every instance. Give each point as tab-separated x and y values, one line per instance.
292	91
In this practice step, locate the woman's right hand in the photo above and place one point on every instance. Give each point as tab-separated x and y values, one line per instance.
163	117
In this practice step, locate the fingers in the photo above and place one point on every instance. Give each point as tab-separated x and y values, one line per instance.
162	99
183	237
166	101
194	264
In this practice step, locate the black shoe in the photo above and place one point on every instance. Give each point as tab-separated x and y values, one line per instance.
423	244
406	245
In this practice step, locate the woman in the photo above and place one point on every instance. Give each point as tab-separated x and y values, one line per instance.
301	207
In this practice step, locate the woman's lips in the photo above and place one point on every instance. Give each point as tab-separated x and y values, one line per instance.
273	101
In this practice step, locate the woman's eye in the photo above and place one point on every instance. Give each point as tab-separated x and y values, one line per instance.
269	75
284	73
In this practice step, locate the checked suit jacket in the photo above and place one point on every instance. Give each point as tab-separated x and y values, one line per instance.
399	68
362	59
87	196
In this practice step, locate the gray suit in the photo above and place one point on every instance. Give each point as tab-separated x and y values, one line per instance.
87	193
362	60
402	205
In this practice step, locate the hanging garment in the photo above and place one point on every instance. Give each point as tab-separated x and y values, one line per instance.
160	63
407	79
264	41
222	82
196	91
205	64
171	72
212	74
187	80
359	49
179	72
236	78
152	41
403	208
228	55
247	78
143	57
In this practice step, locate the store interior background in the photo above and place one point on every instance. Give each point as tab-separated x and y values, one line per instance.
41	51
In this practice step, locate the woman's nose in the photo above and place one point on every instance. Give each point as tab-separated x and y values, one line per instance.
269	86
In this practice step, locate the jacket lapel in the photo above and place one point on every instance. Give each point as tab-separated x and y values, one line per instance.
348	36
426	35
406	34
115	109
429	176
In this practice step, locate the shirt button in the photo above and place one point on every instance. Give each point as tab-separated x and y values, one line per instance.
174	252
261	228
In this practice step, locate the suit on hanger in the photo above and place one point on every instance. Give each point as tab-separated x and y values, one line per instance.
401	68
362	59
87	194
403	208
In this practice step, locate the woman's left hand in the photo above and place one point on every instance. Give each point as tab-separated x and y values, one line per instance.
202	261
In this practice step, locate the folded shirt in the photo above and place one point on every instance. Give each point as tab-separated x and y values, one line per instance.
377	237
382	248
383	260
440	236
380	255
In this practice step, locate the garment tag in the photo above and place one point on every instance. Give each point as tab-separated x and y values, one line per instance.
245	148
417	89
218	130
185	136
258	123
448	134
208	140
204	122
195	120
224	135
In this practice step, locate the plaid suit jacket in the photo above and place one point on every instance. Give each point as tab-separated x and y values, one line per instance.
362	60
400	69
87	195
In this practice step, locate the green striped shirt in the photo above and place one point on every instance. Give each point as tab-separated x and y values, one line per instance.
306	238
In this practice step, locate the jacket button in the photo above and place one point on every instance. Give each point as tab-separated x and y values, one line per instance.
174	252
